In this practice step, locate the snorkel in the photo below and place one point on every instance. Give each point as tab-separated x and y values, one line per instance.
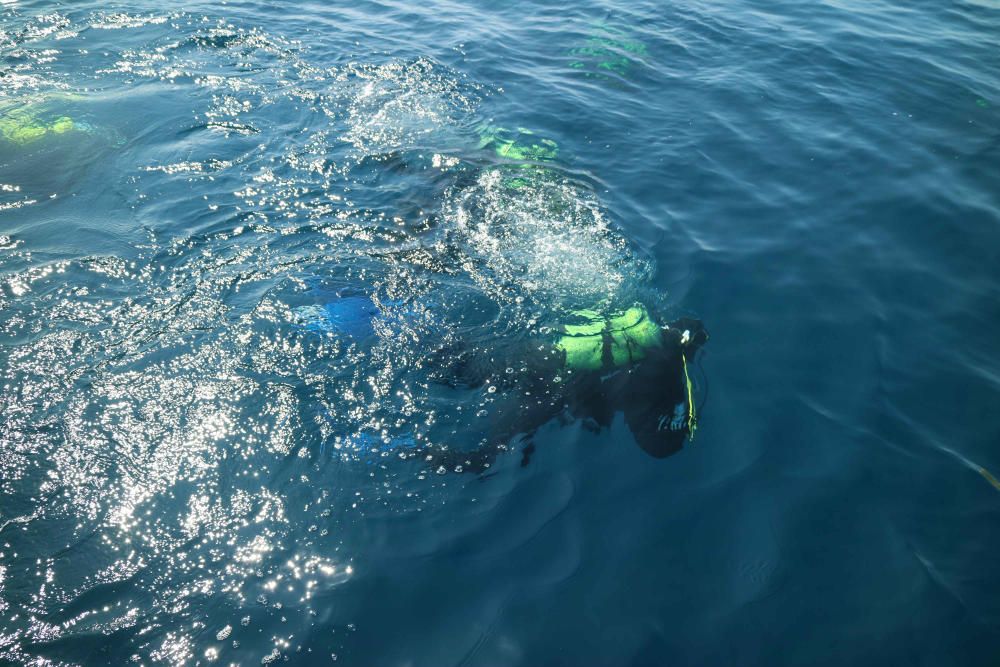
692	337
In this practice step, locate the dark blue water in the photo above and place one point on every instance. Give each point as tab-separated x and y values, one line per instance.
193	471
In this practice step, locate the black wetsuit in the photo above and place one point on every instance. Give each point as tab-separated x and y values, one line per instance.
651	393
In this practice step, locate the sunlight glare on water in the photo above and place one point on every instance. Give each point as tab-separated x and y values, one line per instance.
157	406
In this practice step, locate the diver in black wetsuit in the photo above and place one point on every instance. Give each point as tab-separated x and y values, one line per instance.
625	363
596	366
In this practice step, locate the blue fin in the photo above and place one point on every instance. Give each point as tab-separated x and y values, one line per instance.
349	316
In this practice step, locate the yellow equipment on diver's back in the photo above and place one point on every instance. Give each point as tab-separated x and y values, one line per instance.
601	342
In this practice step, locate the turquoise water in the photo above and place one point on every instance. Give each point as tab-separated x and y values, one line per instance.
201	463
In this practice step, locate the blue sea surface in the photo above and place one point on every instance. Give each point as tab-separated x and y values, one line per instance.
240	240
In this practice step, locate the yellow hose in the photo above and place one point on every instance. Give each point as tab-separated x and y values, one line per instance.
989	478
692	420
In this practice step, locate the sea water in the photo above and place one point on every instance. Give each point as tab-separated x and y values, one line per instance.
240	243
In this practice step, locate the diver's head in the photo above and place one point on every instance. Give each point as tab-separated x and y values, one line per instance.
657	396
690	334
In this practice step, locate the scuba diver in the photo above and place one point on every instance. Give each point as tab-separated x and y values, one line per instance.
594	368
600	362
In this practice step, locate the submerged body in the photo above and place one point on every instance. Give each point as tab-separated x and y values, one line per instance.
625	363
521	227
646	380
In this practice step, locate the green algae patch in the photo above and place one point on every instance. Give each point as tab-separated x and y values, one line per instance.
23	127
608	50
521	145
62	125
